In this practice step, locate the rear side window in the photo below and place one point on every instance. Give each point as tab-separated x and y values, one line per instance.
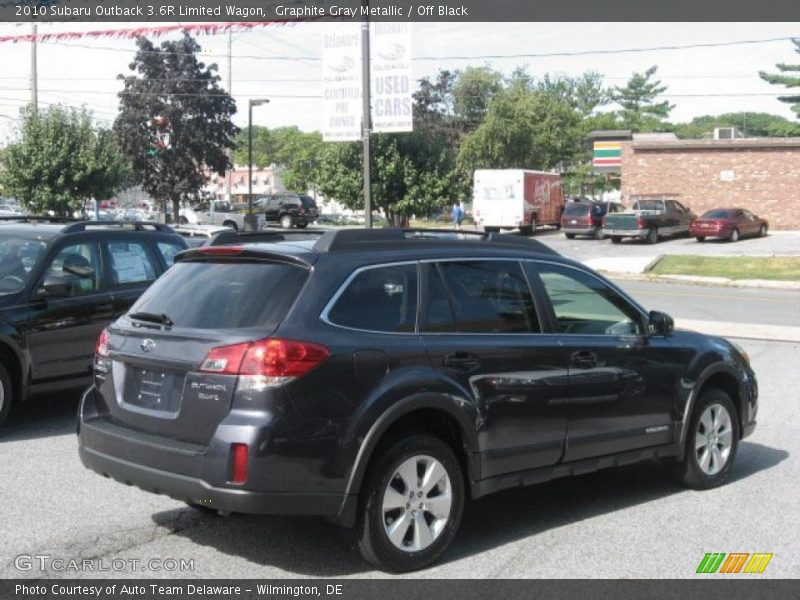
130	263
479	297
206	295
379	299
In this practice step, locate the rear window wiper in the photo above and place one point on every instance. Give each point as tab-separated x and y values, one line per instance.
152	318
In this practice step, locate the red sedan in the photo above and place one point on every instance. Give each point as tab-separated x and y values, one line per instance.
729	223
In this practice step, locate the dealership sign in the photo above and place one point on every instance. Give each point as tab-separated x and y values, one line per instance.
390	80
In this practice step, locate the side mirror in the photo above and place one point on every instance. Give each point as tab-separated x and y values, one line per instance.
660	324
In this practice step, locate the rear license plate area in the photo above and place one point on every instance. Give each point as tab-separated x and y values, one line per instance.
153	389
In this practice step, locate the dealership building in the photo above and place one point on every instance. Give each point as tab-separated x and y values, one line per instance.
758	174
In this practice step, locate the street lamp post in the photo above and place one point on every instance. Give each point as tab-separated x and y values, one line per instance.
251	223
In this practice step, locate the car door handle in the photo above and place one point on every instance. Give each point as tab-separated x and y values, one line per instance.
583	359
461	361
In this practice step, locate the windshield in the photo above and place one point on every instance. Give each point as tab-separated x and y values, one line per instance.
207	295
574	209
17	259
718	214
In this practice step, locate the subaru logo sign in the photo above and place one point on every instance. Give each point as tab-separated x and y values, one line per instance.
147	345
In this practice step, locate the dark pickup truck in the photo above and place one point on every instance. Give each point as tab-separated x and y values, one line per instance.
649	219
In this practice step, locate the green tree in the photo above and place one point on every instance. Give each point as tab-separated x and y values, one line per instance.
473	90
640	111
294	151
411	174
789	77
754	124
171	83
530	129
61	161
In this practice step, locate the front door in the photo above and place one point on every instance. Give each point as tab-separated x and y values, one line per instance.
621	388
63	328
480	328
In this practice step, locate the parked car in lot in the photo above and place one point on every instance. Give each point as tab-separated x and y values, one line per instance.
198	235
381	378
220	212
289	210
60	285
728	223
650	219
585	217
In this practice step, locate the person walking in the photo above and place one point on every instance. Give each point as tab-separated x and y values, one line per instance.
458	215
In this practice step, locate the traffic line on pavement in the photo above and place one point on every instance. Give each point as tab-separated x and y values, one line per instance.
750	331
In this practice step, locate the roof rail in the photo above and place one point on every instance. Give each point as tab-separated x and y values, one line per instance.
341	240
135	225
232	236
37	218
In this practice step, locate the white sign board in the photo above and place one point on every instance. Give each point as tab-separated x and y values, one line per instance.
341	82
727	175
391	83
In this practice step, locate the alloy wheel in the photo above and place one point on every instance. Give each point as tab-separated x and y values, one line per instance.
417	503
713	439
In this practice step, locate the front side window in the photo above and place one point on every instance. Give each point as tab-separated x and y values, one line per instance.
584	305
379	299
478	297
76	266
131	265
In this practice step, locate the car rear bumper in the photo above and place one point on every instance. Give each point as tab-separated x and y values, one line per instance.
582	230
200	473
196	491
698	232
625	232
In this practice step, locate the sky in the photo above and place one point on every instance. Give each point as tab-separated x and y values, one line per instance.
700	80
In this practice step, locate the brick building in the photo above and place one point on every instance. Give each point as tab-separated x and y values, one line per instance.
761	175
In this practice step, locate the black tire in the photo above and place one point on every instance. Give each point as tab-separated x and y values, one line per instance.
231	224
302	225
287	222
700	238
6	394
763	231
372	540
688	471
183	220
615	239
652	235
734	236
570	236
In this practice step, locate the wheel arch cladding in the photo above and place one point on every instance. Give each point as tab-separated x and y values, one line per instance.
726	381
13	364
434	414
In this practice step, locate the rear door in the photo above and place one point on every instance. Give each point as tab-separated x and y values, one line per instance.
622	388
480	328
63	329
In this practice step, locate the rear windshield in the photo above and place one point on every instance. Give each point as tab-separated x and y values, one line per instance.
206	295
718	214
574	209
308	202
649	205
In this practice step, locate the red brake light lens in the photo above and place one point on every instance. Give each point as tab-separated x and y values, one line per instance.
268	358
101	346
239	463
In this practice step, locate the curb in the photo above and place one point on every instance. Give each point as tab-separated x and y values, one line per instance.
776	284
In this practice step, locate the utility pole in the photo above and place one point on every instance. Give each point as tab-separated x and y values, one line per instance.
229	171
366	122
34	76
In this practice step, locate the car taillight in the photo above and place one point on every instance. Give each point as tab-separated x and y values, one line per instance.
221	250
238	463
101	346
640	223
275	360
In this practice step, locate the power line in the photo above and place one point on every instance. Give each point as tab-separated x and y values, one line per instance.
468	57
